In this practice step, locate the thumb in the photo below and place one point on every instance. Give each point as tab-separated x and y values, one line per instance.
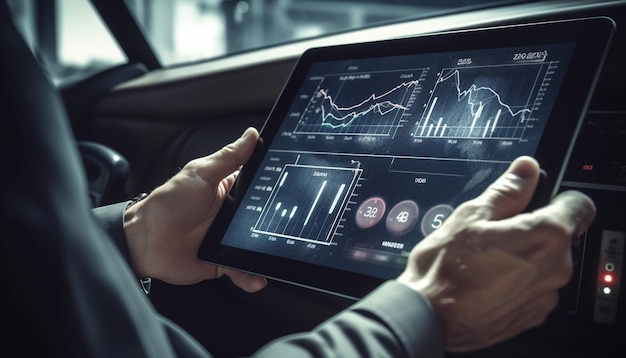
230	158
247	282
511	193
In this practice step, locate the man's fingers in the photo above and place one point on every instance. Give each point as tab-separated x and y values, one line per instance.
574	210
511	192
245	281
229	159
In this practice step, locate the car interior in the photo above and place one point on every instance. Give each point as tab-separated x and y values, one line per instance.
138	122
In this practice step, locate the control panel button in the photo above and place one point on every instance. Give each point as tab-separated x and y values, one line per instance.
609	271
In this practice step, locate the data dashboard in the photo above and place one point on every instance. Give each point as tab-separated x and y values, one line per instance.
374	154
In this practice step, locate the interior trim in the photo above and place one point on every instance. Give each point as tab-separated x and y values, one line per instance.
291	51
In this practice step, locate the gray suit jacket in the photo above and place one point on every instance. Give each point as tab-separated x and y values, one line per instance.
67	288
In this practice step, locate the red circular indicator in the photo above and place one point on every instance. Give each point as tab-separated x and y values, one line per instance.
402	217
608	278
370	212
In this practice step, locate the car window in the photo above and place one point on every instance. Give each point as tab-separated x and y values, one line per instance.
67	36
192	30
71	41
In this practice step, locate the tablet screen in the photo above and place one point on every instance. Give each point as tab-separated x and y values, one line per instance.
371	149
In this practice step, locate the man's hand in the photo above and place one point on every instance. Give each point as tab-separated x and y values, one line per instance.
491	271
164	231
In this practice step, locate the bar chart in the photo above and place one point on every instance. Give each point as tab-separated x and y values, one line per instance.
307	202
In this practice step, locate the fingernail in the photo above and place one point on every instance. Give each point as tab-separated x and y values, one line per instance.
247	132
523	167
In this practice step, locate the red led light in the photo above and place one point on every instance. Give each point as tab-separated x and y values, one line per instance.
608	278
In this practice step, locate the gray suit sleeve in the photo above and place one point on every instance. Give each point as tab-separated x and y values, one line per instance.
393	321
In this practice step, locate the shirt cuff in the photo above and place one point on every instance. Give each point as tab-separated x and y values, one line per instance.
111	219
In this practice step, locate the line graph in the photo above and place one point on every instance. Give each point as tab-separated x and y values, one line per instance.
372	103
487	102
334	117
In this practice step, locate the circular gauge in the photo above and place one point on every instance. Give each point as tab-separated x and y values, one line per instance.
435	217
402	217
370	212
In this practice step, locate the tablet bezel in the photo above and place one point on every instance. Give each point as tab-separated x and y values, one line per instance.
591	37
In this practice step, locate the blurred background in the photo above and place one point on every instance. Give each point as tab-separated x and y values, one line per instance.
72	42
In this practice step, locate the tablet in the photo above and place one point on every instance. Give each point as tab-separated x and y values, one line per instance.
371	146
